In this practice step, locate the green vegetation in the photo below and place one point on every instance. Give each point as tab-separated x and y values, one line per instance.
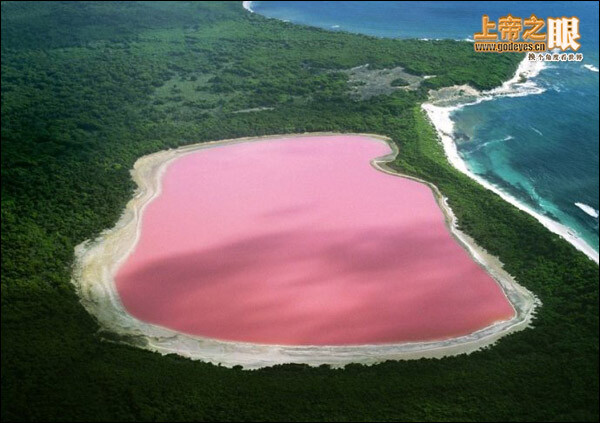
399	82
87	88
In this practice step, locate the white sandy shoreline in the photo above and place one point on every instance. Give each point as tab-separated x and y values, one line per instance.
248	6
97	261
441	120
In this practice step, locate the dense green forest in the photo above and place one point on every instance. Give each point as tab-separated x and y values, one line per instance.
87	88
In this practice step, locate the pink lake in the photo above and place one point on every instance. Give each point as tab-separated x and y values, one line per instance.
301	241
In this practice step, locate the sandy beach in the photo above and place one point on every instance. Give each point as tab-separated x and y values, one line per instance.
248	6
98	260
439	109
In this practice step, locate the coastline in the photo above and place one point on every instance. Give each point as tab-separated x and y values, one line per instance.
519	85
248	6
96	263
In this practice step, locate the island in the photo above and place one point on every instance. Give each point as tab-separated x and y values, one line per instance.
91	88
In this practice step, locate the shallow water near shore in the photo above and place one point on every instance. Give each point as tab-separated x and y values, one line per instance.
541	149
549	164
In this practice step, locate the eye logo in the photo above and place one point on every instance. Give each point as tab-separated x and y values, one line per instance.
563	33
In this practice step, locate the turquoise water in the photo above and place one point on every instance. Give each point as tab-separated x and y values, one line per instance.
542	149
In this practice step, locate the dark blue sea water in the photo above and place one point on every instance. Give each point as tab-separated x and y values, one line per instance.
541	149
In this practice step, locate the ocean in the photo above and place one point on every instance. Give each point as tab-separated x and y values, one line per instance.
538	144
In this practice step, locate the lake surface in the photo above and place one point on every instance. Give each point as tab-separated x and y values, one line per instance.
301	241
541	149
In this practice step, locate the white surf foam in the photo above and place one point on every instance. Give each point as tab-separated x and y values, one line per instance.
518	86
485	144
537	130
248	6
588	209
591	67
